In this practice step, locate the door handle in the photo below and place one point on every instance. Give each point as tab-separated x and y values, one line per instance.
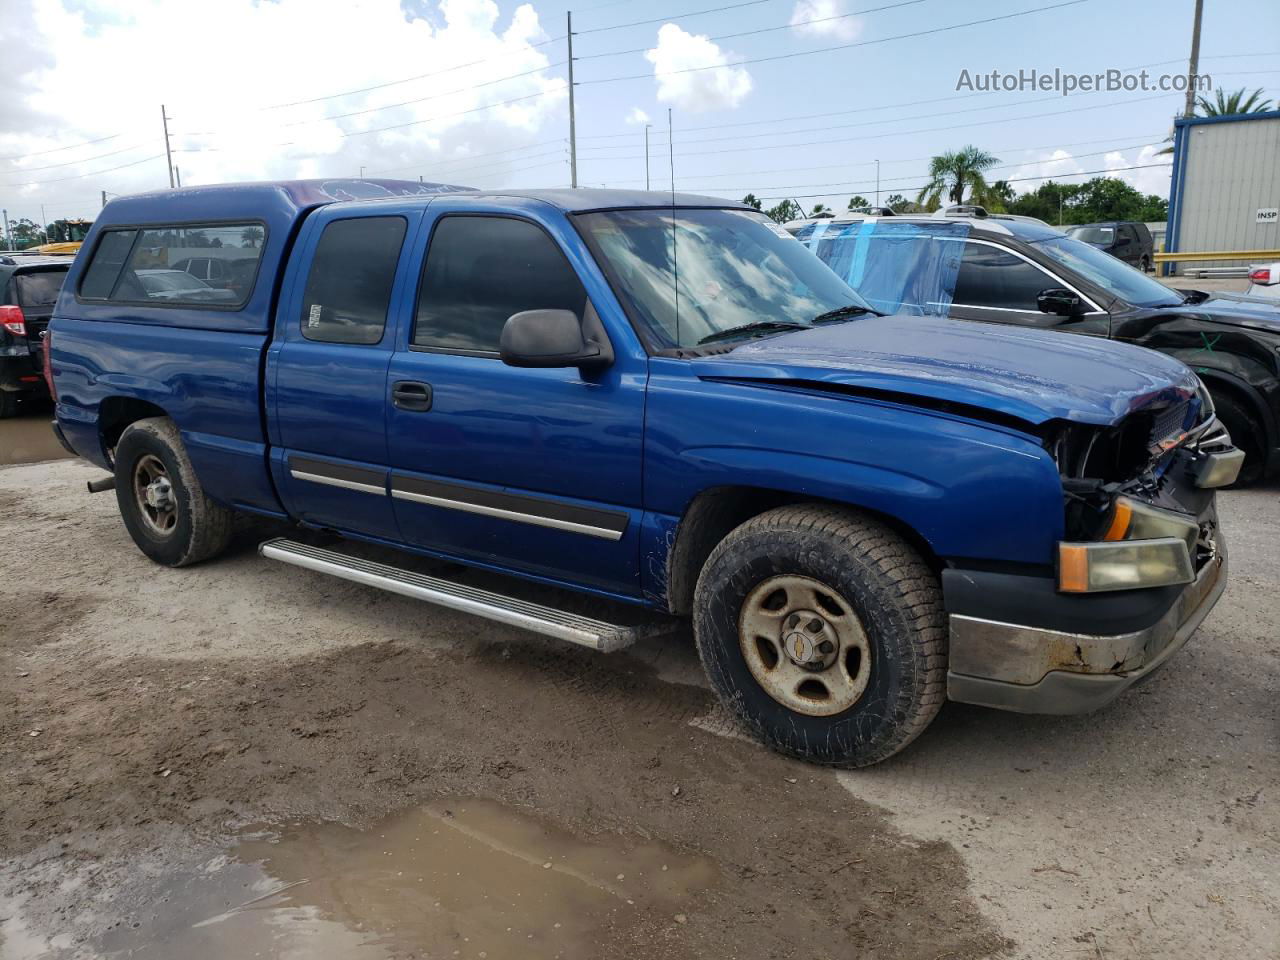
411	395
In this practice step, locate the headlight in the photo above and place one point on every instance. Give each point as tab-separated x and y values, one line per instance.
1124	565
1134	520
1143	546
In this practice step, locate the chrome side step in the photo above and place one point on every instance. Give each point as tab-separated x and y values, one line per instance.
588	632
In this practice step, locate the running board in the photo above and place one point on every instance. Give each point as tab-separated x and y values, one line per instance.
588	632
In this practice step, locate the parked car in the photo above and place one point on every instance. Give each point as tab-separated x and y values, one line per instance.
180	285
672	404
29	286
1019	274
1264	280
1129	241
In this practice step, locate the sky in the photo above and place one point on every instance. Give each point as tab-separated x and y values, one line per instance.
780	98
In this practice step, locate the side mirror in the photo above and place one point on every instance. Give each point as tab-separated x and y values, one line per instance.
1122	242
1060	301
553	338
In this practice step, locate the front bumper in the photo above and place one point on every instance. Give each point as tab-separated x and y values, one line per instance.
1029	669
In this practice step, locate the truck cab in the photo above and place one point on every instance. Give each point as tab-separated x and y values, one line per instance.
667	402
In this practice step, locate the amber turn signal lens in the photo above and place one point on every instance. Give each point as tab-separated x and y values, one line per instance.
1121	517
1073	568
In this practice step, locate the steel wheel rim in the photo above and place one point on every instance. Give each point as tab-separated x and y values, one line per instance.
153	492
782	628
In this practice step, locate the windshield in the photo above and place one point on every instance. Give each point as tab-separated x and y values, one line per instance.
1106	271
713	271
1103	235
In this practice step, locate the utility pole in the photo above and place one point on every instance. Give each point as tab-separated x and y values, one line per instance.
7	232
44	223
573	134
178	173
104	198
877	183
168	154
361	172
1194	66
646	155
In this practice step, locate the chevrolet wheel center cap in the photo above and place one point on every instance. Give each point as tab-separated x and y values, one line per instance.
800	647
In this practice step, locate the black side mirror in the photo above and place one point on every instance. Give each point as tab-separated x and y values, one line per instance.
1122	242
554	338
1060	301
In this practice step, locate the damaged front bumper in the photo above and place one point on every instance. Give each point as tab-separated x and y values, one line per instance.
1060	668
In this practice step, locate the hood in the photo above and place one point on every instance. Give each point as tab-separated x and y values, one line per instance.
1262	313
1032	375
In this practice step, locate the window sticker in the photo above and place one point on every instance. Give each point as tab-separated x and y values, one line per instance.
313	319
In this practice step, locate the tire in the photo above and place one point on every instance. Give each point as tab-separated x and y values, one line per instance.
1146	264
895	630
192	528
8	404
1247	434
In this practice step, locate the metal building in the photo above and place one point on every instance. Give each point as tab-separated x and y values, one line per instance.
1225	195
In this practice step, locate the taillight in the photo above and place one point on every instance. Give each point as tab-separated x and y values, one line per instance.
46	366
11	319
1261	275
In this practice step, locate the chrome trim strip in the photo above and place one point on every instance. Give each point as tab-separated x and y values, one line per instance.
335	482
534	519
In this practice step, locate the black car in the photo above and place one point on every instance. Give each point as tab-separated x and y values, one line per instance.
1003	270
29	285
1125	240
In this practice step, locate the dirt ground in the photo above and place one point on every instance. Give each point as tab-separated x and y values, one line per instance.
201	762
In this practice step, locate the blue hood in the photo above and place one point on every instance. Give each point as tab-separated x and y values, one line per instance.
1034	375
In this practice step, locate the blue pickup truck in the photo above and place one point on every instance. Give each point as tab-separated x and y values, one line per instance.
661	400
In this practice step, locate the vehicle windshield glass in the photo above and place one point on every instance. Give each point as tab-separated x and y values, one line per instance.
39	288
1102	235
1106	271
692	274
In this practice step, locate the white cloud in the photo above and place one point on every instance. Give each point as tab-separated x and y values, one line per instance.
638	117
699	89
824	18
1066	168
105	75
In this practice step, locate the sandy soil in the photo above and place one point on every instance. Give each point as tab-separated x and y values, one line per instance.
147	715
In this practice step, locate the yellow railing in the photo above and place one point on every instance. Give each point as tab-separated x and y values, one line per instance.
1202	256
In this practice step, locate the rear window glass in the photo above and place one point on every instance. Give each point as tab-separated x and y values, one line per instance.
171	265
40	287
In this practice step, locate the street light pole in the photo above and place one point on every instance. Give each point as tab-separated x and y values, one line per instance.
646	155
573	133
168	154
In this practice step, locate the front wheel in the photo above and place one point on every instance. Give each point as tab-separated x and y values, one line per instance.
163	506
1247	434
823	631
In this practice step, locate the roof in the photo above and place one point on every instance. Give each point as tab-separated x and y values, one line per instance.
584	200
1226	118
17	258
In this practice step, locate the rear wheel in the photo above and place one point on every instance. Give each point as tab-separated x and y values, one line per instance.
824	633
1247	434
1146	264
163	506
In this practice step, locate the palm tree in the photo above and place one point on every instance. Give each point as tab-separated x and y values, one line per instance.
1235	102
951	173
817	209
998	196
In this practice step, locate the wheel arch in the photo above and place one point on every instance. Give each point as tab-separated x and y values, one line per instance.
117	412
713	513
1247	396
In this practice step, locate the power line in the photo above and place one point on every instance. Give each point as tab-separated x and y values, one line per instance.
751	33
72	163
81	176
681	16
41	153
842	46
434	163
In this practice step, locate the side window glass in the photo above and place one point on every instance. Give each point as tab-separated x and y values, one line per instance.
108	257
349	287
990	277
481	270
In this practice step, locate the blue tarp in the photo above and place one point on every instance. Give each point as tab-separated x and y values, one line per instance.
897	267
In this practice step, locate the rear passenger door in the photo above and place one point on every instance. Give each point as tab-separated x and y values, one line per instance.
327	367
535	470
996	284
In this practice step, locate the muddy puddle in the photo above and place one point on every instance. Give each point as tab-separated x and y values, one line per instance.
469	879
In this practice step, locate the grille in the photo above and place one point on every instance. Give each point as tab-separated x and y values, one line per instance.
1170	423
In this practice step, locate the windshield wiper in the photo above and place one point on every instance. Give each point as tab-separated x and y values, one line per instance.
845	313
756	326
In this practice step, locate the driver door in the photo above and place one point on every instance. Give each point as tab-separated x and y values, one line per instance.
535	470
998	285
